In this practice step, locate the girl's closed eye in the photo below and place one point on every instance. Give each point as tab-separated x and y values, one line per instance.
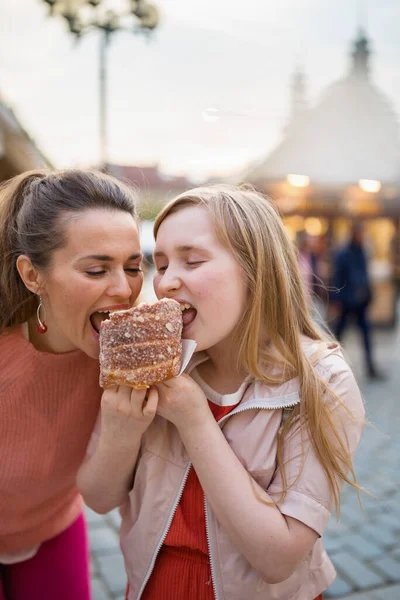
194	263
189	263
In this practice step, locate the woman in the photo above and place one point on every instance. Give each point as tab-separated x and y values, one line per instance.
71	253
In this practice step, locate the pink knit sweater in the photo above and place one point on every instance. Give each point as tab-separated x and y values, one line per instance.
48	408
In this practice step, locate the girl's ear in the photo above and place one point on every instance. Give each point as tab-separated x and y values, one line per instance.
31	277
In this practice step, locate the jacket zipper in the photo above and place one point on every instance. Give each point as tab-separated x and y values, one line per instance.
210	552
180	492
261	406
166	528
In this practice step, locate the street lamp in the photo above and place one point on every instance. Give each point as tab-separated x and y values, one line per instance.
85	15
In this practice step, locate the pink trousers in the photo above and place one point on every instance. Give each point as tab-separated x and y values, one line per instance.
59	570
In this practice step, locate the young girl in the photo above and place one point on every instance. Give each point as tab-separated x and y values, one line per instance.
227	475
70	250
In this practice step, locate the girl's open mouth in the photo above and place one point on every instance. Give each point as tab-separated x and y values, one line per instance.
188	314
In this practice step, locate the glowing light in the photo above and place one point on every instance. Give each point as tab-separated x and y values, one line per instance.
298	180
295	222
315	227
370	185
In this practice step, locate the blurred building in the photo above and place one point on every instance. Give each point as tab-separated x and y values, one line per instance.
339	162
18	152
154	187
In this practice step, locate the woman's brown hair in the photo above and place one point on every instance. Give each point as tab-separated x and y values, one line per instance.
33	207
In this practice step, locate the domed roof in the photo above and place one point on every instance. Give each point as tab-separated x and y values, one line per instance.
351	134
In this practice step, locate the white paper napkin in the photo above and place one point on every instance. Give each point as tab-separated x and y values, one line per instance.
188	349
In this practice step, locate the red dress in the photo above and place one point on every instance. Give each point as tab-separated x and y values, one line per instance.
182	568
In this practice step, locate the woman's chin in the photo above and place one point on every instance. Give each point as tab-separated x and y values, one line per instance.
91	344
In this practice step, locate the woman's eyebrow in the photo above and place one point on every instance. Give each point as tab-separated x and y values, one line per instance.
106	258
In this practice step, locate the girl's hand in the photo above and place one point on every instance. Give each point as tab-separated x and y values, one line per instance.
182	401
126	412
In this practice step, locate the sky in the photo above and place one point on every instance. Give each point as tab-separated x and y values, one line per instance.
230	58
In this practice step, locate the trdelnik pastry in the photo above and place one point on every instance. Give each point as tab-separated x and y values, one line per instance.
141	346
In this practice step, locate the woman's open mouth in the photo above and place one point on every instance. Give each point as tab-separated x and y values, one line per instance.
97	318
100	315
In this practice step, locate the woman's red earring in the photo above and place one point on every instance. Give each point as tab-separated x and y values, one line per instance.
42	327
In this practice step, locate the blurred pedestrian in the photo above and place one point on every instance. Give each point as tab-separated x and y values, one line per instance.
353	293
395	263
70	251
310	254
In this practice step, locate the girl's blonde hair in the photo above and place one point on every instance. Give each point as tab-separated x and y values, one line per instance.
249	225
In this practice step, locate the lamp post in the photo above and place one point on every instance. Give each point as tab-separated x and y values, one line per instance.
82	16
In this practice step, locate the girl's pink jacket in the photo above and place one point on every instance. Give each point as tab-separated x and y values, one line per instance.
251	431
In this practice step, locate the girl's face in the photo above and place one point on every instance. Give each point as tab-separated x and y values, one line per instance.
193	267
97	270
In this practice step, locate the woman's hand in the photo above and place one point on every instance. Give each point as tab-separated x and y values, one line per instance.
126	412
183	402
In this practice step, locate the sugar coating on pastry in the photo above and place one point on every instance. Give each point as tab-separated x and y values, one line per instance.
141	346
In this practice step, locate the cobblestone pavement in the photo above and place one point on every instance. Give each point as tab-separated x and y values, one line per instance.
364	548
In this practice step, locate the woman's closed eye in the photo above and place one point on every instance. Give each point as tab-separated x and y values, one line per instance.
129	270
95	273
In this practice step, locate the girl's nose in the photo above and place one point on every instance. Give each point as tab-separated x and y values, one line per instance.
169	282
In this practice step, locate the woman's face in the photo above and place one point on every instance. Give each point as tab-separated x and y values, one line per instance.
194	268
97	270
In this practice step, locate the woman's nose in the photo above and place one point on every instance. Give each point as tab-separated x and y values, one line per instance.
120	286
